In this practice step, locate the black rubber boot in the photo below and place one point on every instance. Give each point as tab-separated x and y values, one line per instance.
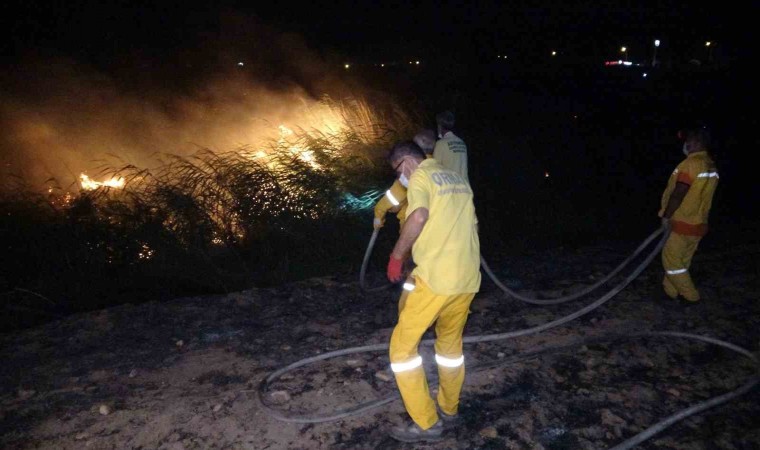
413	433
448	420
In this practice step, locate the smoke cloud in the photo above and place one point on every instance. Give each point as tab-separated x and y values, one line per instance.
234	87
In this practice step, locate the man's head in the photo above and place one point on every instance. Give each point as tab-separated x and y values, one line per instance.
425	139
445	122
404	157
696	140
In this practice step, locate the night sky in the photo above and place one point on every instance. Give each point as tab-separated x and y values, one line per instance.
96	32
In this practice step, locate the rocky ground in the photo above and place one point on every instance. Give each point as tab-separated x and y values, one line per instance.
184	373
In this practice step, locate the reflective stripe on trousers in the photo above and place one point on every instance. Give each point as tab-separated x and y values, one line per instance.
405	366
677	254
448	313
449	362
408	288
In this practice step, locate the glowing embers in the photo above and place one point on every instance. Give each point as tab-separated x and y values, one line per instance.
59	200
286	136
145	252
301	127
287	144
89	184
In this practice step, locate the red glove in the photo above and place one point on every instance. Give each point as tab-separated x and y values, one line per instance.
395	269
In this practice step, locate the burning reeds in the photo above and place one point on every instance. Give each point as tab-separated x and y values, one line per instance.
208	221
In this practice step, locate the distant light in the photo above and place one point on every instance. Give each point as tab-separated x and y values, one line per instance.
241	64
347	66
644	75
623	49
620	61
575	116
707	44
656	42
546	174
417	62
382	65
554	53
627	63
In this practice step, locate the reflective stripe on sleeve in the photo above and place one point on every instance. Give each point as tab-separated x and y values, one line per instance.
708	175
409	365
449	362
408	286
391	197
676	272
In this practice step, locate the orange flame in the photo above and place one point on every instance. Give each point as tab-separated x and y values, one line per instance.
89	184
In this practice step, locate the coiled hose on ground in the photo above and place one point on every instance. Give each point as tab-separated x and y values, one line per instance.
629	443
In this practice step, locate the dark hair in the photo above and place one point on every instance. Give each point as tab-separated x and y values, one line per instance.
405	148
699	134
427	136
445	119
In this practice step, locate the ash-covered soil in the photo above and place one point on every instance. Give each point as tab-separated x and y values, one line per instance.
184	373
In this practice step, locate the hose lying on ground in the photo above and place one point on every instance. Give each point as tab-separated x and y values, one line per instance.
629	443
640	437
507	290
575	295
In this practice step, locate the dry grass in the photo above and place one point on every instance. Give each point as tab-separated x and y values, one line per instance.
211	221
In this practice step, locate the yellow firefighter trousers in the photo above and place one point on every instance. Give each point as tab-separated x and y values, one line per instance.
408	283
676	259
422	308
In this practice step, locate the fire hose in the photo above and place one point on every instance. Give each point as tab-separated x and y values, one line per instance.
629	443
508	291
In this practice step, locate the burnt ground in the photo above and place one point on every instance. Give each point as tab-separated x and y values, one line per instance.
183	373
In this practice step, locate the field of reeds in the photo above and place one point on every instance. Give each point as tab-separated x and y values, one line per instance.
549	169
210	222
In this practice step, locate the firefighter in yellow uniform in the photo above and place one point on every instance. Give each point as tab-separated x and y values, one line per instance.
685	207
450	150
394	199
442	236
